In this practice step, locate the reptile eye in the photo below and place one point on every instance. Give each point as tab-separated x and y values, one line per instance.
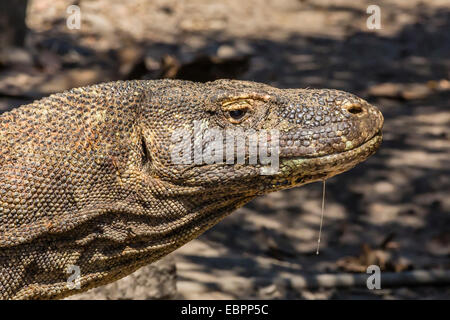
237	111
237	114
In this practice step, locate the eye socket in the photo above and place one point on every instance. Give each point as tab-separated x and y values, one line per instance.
236	111
237	114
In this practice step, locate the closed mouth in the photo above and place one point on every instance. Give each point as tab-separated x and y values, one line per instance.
375	140
358	153
326	166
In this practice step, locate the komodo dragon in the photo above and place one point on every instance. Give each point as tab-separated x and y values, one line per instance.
86	177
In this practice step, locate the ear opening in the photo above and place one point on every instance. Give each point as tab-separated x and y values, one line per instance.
145	152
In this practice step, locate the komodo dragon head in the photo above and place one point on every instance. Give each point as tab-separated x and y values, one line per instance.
115	176
201	137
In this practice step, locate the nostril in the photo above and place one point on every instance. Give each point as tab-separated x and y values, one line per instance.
355	108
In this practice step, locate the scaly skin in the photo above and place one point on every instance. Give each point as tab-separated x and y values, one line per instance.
86	176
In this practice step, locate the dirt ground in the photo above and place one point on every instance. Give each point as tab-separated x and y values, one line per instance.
393	210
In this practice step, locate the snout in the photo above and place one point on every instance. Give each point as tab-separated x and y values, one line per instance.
341	124
364	121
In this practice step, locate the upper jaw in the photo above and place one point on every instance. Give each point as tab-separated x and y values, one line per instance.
326	155
331	138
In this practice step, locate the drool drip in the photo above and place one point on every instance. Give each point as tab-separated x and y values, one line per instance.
321	217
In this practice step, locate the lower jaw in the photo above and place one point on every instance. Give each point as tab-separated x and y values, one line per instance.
300	171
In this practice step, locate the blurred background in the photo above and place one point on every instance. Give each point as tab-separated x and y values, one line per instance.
392	210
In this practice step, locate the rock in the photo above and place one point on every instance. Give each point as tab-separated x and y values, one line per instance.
416	91
270	292
406	91
15	57
155	281
226	51
386	90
